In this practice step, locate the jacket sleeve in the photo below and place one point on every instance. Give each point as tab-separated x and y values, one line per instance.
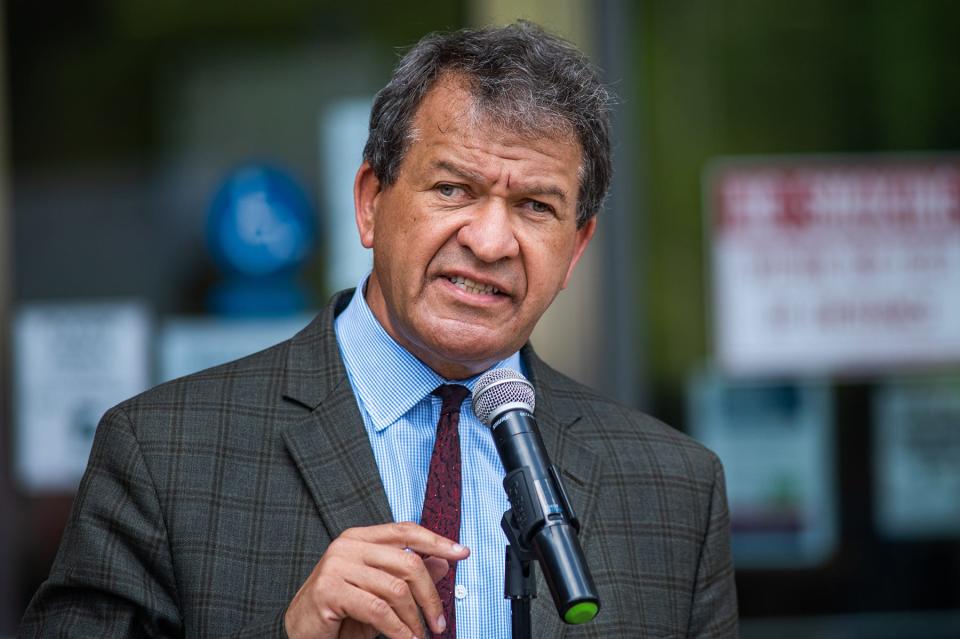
714	610
113	574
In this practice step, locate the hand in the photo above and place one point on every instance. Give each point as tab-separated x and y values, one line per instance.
368	581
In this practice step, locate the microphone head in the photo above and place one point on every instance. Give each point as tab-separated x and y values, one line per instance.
499	390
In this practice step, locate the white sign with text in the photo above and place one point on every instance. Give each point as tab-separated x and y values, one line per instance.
835	267
72	361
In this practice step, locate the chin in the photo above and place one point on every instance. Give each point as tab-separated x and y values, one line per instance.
472	353
467	342
467	353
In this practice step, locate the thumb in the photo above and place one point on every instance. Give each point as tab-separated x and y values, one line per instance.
437	567
353	629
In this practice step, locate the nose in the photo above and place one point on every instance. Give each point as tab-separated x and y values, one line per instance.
489	232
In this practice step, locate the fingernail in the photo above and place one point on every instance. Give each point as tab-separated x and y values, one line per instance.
441	623
457	548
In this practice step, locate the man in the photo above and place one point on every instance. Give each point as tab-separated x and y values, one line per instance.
256	498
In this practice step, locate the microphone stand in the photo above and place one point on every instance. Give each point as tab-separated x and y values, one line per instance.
519	578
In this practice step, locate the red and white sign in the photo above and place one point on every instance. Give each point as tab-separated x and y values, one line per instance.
835	267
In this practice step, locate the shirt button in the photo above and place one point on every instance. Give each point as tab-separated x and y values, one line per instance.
460	591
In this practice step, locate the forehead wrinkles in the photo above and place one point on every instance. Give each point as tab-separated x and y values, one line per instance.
525	119
469	151
476	158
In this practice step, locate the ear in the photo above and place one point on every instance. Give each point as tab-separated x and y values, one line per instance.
366	188
584	235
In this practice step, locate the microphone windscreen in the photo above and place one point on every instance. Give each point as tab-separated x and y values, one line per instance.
499	389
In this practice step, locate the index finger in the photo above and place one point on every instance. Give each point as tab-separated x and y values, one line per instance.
406	534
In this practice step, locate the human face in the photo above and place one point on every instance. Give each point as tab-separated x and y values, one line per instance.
474	239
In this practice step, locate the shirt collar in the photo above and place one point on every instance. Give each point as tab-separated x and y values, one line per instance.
386	377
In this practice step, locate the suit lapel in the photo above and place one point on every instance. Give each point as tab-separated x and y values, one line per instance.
332	452
579	470
330	446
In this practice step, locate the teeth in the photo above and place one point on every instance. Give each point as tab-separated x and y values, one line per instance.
474	287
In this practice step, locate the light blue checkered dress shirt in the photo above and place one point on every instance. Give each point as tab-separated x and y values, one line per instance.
393	389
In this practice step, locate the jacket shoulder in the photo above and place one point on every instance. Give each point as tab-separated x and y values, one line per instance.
306	365
625	435
248	377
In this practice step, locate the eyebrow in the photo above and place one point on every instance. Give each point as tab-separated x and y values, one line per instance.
477	178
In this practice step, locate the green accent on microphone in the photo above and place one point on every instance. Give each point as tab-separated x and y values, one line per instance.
581	612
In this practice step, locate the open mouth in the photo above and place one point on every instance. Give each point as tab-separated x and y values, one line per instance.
470	286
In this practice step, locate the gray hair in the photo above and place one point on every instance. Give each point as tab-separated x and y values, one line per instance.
521	77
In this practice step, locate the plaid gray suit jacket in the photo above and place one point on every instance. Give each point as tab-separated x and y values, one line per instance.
208	500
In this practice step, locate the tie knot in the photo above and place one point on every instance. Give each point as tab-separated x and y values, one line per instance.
452	395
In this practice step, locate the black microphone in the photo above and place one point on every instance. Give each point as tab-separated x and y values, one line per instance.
542	516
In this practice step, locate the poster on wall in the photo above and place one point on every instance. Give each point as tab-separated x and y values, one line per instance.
916	459
834	265
775	441
190	344
71	363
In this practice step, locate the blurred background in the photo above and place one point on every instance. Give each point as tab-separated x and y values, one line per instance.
777	271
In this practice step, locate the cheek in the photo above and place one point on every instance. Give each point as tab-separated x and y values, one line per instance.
546	269
413	231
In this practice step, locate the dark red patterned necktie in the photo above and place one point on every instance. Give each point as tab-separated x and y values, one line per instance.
441	505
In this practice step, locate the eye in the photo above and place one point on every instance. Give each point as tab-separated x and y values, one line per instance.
538	207
448	190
